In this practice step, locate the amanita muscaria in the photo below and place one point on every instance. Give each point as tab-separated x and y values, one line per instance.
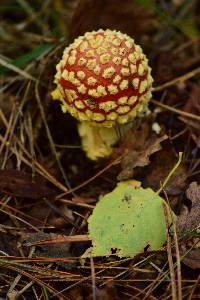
103	79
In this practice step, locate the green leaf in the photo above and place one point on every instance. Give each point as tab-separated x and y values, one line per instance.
128	220
24	59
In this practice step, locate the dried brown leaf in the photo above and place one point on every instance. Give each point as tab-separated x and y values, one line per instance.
193	105
190	219
161	164
139	144
192	259
22	184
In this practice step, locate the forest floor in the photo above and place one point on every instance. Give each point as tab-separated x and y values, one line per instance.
48	187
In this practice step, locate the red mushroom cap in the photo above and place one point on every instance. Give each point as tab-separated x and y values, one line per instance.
104	78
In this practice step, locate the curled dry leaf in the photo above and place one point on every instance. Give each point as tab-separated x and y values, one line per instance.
190	219
157	172
192	106
139	144
192	259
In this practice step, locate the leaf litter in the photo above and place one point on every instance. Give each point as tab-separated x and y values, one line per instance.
35	200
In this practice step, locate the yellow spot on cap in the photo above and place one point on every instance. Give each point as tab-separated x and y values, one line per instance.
129	44
71	60
64	108
97	70
71	95
108	72
123	100
98	117
104	58
141	69
132	57
117	79
56	94
112	116
83	46
82	89
89	53
82	61
135	83
96	41
132	100
74	52
71	76
93	93
65	74
60	88
101	50
91	64
114	51
76	82
143	86
101	90
138	49
123	109
124	84
125	62
57	77
116	42
117	60
91	80
108	105
122	51
149	79
81	74
109	37
133	68
125	71
65	57
79	104
113	89
106	44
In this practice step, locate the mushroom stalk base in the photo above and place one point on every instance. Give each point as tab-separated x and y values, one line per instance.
97	141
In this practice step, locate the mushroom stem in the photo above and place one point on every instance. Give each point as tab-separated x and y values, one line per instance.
97	141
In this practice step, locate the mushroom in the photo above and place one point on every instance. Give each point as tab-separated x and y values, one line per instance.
103	80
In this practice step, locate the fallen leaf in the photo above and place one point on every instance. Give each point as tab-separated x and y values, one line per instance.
139	144
128	221
161	164
22	184
189	219
192	259
192	105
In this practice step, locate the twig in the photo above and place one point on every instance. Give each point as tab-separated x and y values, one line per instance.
116	161
169	254
175	110
171	172
61	240
16	70
177	80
